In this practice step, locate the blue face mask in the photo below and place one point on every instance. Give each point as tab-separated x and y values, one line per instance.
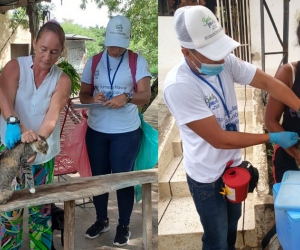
209	69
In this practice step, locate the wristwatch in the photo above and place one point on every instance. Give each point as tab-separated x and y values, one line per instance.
12	120
128	97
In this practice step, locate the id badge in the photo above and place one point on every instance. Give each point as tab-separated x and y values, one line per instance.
231	127
109	95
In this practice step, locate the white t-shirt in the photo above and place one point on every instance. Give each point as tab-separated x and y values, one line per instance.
190	99
124	119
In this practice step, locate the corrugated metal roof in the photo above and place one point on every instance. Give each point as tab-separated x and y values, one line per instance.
78	37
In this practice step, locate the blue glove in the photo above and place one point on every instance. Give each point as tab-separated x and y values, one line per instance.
284	139
13	135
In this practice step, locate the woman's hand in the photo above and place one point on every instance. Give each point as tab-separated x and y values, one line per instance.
116	102
29	136
32	158
99	97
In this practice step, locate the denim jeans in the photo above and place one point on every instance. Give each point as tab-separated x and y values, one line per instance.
219	217
113	153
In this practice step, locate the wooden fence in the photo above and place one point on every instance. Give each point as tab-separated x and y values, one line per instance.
80	188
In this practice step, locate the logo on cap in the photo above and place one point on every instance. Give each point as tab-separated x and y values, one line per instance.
209	22
118	30
212	24
119	27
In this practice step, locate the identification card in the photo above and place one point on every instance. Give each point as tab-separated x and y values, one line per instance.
231	127
109	95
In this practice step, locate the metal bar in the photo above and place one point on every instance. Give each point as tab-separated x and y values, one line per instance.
243	30
221	13
262	31
273	23
263	59
238	34
218	11
229	17
274	53
248	31
286	30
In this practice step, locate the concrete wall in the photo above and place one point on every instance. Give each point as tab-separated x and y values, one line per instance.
271	41
169	51
77	55
19	37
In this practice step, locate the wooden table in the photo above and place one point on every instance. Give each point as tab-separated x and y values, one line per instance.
79	188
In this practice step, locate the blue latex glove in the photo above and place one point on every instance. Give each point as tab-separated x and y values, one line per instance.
284	139
13	135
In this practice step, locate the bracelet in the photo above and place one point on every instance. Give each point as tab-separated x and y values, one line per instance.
128	97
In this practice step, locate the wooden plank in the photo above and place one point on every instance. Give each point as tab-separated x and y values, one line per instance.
77	189
147	216
69	225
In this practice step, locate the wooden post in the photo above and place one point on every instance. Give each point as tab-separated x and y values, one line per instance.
69	225
147	216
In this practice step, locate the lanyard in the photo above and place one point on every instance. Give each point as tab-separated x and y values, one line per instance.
213	88
111	82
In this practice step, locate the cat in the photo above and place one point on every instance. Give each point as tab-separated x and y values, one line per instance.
57	222
12	161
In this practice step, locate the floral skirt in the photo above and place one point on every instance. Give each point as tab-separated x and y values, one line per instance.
39	217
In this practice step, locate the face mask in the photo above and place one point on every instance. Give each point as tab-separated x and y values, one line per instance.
209	69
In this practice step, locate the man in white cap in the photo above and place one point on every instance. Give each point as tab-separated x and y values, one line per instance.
200	94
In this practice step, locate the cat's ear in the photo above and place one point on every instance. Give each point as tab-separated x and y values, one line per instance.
42	137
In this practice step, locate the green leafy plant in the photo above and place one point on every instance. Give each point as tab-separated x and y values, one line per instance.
270	149
66	67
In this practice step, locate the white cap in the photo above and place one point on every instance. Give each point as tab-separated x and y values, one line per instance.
198	28
118	32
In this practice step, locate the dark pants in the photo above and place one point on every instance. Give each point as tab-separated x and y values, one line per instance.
113	153
219	217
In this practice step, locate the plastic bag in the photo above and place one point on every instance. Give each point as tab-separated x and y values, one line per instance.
147	157
75	148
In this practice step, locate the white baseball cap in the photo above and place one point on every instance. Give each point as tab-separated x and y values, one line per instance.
198	28
118	32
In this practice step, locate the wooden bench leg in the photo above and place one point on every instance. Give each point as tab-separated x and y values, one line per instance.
147	216
69	225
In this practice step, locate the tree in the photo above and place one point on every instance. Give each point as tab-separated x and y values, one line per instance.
30	17
143	15
96	33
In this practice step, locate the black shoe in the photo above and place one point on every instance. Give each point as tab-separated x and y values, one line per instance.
97	228
122	236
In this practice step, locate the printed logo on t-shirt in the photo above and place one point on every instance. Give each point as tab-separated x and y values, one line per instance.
116	90
212	102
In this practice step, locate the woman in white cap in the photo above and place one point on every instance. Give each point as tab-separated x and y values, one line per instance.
113	133
200	94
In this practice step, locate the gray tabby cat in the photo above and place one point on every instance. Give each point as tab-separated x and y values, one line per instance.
12	161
